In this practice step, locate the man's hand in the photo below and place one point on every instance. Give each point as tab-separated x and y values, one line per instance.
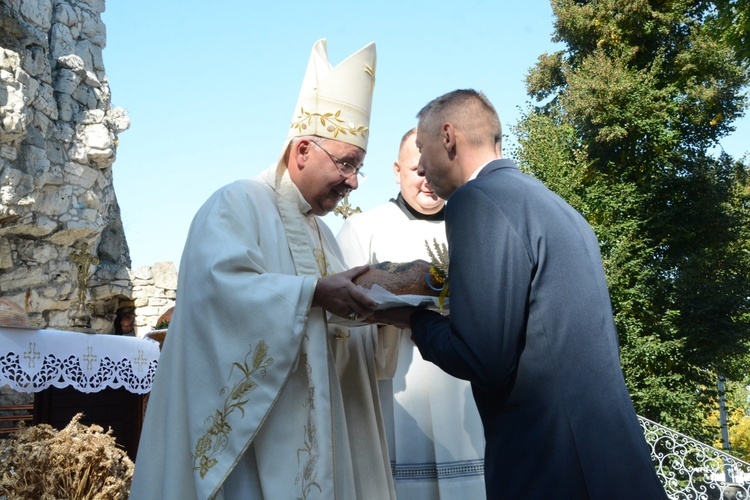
338	295
398	317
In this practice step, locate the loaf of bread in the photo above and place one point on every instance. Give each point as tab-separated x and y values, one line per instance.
399	278
11	314
165	318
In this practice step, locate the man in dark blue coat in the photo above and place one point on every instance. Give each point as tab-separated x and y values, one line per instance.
530	322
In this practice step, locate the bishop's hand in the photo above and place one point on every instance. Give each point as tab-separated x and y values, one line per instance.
338	295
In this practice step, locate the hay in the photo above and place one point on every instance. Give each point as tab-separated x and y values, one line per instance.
79	462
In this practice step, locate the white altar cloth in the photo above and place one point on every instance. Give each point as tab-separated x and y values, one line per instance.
33	360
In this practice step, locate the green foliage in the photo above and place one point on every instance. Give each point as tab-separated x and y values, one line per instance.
738	419
731	23
625	128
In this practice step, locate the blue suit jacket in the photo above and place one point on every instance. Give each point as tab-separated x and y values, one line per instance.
531	327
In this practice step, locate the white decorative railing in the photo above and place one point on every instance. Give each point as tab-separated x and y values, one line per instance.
691	470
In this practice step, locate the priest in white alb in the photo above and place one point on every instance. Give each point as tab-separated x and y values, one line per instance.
248	401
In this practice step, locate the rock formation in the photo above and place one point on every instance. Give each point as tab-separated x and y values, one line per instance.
61	235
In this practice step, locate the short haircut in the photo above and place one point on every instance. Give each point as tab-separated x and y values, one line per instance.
405	138
469	111
313	138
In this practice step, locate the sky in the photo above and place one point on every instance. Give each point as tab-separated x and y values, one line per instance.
210	89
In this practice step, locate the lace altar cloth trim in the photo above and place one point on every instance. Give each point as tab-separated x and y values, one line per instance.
33	360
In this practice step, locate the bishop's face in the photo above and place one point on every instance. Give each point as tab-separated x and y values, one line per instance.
414	188
322	182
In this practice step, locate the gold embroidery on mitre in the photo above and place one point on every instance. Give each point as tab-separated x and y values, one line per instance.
216	437
331	121
370	70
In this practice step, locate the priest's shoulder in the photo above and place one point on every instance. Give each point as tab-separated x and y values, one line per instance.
248	191
372	215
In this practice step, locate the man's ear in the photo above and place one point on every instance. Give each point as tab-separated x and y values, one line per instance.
300	151
448	134
396	172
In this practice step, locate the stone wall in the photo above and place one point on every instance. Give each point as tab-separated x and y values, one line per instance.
61	237
153	290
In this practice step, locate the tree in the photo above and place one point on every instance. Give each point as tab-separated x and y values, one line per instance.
731	23
738	420
627	120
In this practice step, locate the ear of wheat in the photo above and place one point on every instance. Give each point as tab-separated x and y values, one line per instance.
438	254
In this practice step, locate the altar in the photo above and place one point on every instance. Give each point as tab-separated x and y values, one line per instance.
106	377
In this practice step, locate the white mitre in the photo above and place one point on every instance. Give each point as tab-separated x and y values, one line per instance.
335	102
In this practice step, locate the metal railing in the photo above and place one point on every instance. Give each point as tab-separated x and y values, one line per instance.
691	470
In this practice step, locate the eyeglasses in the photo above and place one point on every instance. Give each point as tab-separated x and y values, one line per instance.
345	168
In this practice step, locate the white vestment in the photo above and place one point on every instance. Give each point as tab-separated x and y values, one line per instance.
247	402
435	435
